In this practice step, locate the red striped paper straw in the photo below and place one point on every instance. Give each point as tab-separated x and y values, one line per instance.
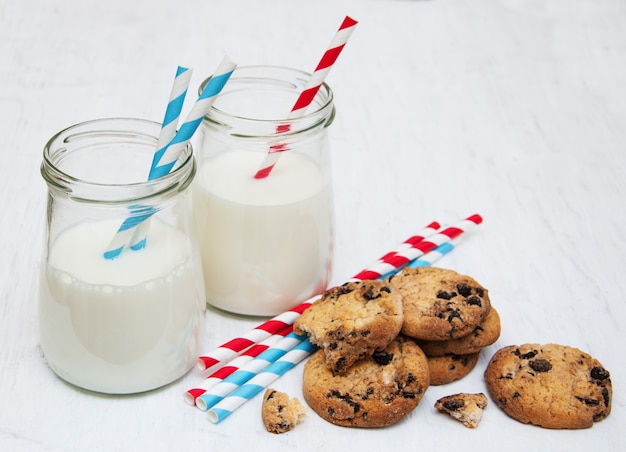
235	364
312	87
232	348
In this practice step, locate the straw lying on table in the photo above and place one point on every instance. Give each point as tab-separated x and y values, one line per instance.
420	253
308	94
235	364
248	371
165	159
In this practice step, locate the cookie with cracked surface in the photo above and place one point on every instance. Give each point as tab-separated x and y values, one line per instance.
351	321
448	368
464	407
377	391
280	413
483	335
551	386
440	304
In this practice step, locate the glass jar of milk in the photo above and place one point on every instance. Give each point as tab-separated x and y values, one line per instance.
131	321
266	242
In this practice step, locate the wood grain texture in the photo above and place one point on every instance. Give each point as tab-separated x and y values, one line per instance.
515	109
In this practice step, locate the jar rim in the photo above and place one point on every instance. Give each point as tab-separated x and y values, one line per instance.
88	190
292	78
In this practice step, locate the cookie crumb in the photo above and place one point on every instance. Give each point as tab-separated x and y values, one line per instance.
467	408
280	413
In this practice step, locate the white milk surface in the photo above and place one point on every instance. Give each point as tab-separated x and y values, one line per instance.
124	325
266	244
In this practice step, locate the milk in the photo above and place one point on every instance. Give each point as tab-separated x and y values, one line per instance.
266	244
124	325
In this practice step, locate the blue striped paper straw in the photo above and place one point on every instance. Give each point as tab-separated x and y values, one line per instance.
248	371
193	120
172	113
168	157
260	381
168	131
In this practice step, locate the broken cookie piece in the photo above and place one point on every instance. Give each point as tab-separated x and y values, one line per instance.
467	408
280	413
352	321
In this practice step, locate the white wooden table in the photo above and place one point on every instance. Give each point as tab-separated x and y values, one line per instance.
515	109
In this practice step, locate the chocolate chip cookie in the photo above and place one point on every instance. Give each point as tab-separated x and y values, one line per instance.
551	386
377	391
352	321
440	304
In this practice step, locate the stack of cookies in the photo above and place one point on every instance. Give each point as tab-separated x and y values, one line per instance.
450	316
372	369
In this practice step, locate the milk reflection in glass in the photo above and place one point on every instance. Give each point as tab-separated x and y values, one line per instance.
266	244
119	325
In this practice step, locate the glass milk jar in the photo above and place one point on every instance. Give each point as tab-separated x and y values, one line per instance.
120	311
266	240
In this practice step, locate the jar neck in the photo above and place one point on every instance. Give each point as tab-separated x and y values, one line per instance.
108	161
257	101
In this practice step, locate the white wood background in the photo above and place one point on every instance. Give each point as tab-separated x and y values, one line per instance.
515	109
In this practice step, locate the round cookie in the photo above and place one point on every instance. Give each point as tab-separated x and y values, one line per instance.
378	390
440	304
551	386
352	321
483	335
448	368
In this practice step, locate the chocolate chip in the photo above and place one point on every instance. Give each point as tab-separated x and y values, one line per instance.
479	291
605	396
464	289
382	358
443	295
530	354
454	315
371	294
588	401
410	379
599	373
270	395
280	408
345	398
365	333
540	365
516	395
340	364
453	404
474	301
408	394
385	289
